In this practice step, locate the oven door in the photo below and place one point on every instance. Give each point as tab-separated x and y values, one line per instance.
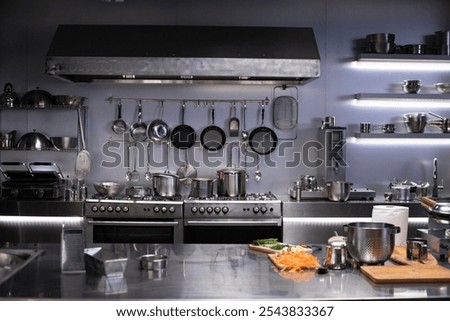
105	230
231	231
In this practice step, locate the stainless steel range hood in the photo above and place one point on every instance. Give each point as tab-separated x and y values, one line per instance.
183	54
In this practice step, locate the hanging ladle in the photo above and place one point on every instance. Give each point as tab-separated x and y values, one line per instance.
148	174
244	133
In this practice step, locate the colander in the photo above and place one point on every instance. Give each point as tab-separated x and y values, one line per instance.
371	243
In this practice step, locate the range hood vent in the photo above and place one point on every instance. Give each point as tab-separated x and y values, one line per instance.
183	54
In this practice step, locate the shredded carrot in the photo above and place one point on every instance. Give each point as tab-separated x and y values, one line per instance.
298	276
296	261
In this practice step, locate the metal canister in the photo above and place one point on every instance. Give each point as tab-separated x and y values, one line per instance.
231	182
202	188
166	185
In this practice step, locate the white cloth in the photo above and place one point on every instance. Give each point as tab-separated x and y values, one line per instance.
396	215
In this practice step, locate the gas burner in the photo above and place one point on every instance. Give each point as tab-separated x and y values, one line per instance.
248	197
261	197
123	197
253	205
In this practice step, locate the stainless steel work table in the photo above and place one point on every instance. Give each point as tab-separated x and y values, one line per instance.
202	272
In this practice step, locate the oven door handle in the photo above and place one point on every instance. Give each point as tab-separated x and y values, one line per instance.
128	223
233	222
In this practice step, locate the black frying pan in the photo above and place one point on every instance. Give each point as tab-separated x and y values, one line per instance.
263	140
183	136
212	137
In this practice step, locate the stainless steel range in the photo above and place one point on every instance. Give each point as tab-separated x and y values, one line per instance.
232	220
123	219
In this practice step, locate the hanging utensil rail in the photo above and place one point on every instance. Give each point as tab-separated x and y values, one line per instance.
198	102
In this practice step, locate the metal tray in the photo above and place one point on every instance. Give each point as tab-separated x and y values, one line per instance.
103	262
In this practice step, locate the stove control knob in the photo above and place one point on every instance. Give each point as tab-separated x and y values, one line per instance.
194	209
94	208
156	209
209	209
171	209
225	210
217	209
256	209
102	208
110	209
39	193
118	208
263	209
201	210
15	192
164	209
125	209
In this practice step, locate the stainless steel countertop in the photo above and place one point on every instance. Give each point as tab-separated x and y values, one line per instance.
352	208
197	271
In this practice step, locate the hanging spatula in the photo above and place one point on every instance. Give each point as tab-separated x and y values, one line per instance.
234	122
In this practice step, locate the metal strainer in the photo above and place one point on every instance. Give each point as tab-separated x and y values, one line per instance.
371	242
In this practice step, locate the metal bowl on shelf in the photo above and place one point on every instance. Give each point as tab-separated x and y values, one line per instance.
64	142
443	88
68	100
415	122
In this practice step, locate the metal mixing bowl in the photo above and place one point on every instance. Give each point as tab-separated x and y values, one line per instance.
415	122
371	242
443	88
67	100
109	188
64	142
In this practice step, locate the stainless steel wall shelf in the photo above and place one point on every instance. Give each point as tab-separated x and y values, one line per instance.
403	135
374	57
396	97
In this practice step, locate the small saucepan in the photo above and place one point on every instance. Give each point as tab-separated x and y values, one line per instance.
138	130
158	130
119	126
212	137
263	140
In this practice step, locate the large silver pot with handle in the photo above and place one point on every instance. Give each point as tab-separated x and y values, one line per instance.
165	184
231	182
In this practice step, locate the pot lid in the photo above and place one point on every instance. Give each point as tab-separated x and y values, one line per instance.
165	175
231	170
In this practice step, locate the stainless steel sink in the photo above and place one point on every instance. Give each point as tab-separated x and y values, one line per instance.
13	260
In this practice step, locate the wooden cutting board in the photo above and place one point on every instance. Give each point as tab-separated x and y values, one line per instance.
261	248
406	273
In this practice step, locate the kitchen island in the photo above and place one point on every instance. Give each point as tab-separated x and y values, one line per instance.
202	271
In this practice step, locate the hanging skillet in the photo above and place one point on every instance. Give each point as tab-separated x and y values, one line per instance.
183	136
263	140
212	137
